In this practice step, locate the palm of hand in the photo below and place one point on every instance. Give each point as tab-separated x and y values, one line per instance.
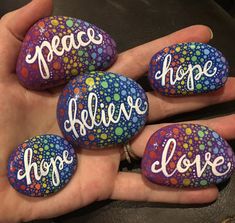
25	114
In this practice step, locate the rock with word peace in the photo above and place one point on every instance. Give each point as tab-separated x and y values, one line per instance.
188	69
187	155
101	109
41	165
57	48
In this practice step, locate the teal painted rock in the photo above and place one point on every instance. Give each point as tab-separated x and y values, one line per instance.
188	69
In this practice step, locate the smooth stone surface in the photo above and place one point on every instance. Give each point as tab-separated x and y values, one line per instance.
188	69
57	48
101	109
41	165
187	155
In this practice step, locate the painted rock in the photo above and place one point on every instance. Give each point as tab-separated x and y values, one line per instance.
187	155
41	165
188	69
101	109
57	48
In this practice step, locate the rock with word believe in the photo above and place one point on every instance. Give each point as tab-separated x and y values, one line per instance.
57	48
188	69
187	155
41	165
101	109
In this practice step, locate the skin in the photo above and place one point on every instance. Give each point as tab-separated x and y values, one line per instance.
97	176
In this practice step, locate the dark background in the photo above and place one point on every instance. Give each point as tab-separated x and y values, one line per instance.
131	23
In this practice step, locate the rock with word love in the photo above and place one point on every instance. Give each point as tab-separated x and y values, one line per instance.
41	165
188	69
101	109
187	155
57	48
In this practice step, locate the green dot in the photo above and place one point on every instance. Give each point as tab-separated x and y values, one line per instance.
46	147
104	84
116	97
108	99
202	147
203	182
192	46
118	131
200	133
194	58
198	86
198	52
91	67
69	23
80	53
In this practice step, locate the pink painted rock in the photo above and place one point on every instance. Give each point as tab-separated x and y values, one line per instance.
57	48
187	155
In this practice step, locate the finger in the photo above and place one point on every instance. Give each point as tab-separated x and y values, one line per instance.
134	62
19	21
222	125
133	186
161	106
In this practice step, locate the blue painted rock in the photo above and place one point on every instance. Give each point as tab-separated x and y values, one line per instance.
187	69
57	48
101	109
41	165
187	155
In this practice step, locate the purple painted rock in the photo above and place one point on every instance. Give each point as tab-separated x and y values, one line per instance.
41	165
187	155
101	109
188	69
57	48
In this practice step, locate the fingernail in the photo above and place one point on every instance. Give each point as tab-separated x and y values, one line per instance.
212	35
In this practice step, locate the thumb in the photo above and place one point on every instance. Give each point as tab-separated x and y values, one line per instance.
20	20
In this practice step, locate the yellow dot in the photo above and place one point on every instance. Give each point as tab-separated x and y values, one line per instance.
44	185
90	81
177	49
185	145
182	60
74	72
35	146
66	59
184	52
103	136
54	22
188	131
186	182
190	154
190	141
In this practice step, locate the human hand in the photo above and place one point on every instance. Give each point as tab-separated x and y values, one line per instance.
28	113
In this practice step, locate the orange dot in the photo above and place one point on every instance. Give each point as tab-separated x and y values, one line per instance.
91	137
37	186
152	154
175	131
56	65
173	181
22	187
80	106
76	90
24	72
41	24
172	165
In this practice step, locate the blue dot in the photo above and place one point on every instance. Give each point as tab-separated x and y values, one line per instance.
93	55
206	51
133	90
215	150
123	92
135	119
215	135
122	78
100	50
